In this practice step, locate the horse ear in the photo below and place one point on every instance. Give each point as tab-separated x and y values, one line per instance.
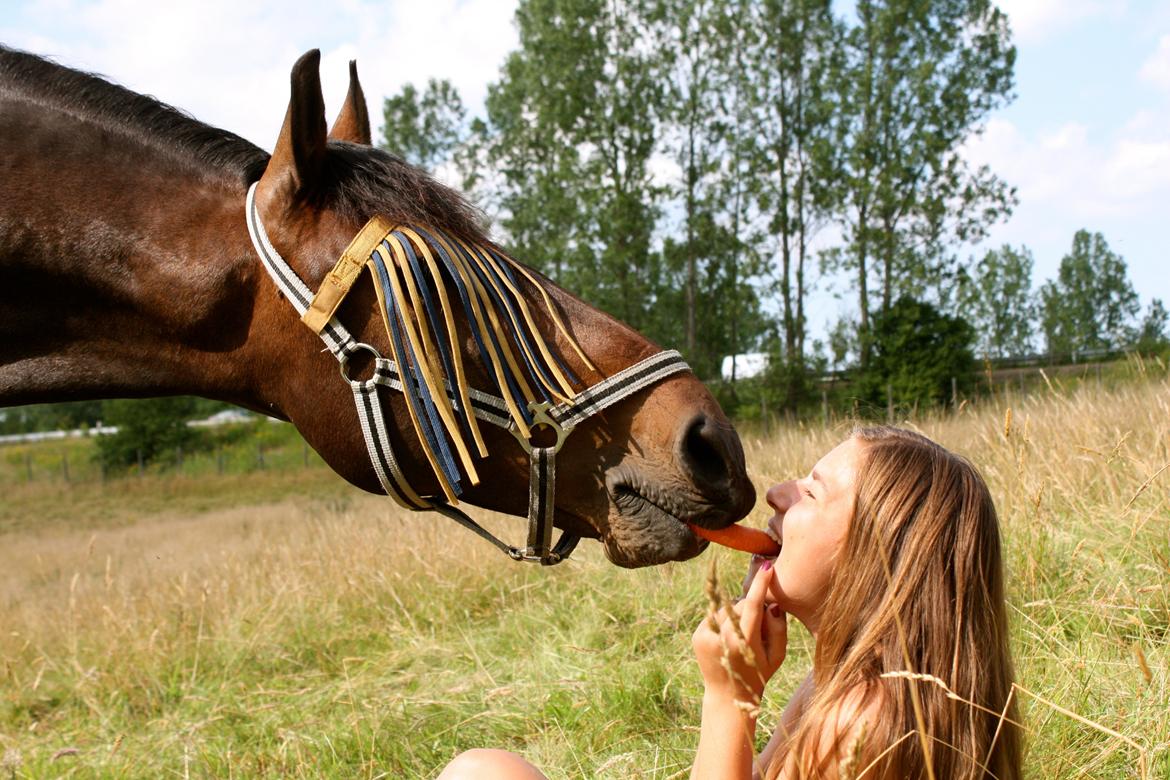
300	149
353	121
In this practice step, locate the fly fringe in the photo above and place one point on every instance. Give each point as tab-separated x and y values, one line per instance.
411	268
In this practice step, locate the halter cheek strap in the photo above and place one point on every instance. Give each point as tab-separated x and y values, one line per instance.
442	413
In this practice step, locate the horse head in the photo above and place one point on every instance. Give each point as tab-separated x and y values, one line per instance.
631	476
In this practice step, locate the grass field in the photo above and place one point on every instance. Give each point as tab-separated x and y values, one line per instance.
280	624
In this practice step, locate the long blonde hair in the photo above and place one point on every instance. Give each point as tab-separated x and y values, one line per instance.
917	590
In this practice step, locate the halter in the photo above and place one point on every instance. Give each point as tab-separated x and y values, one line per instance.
406	265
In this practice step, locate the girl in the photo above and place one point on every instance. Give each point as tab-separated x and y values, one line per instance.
891	559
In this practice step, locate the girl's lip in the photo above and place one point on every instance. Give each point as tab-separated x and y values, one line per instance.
772	529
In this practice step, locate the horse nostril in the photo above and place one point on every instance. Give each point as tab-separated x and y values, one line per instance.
704	452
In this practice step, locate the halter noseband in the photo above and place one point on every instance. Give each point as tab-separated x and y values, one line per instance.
431	397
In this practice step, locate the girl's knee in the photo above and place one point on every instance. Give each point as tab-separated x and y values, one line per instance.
486	764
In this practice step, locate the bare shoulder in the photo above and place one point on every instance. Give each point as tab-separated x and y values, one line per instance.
845	744
859	705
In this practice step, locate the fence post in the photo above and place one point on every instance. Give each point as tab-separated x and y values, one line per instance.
954	394
824	406
65	465
178	459
28	465
890	403
219	462
259	455
138	454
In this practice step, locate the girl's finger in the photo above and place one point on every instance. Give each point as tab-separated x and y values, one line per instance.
752	605
775	634
753	567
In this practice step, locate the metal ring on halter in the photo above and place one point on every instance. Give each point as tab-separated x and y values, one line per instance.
344	357
540	419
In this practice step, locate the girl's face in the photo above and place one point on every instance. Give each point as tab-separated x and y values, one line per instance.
811	520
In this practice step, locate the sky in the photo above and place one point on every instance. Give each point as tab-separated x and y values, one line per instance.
1086	142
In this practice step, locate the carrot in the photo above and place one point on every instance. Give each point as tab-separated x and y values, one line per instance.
739	537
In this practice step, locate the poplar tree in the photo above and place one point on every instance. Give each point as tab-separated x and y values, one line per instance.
795	63
424	129
1090	305
996	298
921	80
574	123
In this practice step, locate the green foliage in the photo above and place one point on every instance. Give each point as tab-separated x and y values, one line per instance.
727	311
996	298
1091	305
920	80
424	130
50	417
147	429
574	123
916	350
1151	334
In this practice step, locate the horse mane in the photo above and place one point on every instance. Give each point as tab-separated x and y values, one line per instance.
362	181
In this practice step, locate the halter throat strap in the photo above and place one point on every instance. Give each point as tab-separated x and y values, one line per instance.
318	312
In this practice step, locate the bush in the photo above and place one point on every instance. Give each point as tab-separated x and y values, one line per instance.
147	429
915	352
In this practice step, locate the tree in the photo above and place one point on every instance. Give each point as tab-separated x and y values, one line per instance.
1091	304
996	298
147	429
574	126
424	130
916	351
1151	334
50	417
794	59
921	79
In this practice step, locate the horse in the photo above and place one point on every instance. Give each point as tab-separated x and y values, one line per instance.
128	270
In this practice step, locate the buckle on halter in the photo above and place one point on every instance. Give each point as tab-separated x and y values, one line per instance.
532	555
540	419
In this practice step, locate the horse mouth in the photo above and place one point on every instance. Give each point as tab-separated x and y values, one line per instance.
648	526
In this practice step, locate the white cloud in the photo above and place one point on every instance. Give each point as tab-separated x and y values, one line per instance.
1067	170
1138	169
1033	20
1069	136
1156	69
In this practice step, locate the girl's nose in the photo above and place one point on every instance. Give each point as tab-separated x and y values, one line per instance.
782	495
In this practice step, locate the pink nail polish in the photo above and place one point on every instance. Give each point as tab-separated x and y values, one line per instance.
766	565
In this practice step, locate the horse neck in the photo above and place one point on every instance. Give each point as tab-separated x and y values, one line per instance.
124	273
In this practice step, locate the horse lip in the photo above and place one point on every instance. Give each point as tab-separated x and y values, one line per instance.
625	489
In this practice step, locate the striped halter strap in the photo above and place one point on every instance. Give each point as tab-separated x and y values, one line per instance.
534	386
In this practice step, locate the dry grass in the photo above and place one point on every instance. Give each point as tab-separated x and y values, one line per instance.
340	637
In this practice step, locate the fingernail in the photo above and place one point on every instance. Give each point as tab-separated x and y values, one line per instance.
766	565
775	610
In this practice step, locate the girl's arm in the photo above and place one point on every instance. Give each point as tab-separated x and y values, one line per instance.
733	680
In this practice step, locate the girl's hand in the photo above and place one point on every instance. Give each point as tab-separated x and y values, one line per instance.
765	629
